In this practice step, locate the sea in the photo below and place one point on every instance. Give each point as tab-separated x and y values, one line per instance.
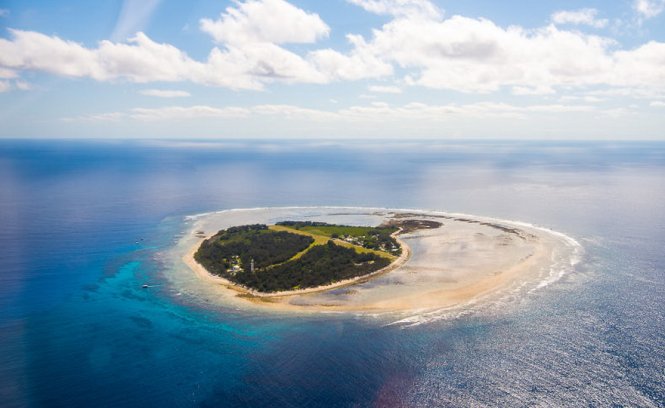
85	224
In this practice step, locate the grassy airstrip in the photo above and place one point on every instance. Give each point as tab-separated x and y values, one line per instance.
323	234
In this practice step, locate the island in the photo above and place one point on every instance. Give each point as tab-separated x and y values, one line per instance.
300	255
364	260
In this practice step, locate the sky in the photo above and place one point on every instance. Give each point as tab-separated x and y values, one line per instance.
334	69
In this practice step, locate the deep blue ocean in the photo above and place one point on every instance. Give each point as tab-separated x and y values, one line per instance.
82	224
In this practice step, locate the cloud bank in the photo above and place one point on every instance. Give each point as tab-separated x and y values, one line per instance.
417	46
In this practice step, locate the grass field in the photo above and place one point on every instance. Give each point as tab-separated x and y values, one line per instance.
322	234
340	230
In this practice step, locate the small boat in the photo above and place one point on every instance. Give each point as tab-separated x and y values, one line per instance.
145	286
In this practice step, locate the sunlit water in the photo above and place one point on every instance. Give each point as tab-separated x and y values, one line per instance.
84	225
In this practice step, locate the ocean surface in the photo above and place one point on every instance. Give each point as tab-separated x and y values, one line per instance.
84	224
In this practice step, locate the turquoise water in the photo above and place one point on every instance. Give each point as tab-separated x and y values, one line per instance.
83	225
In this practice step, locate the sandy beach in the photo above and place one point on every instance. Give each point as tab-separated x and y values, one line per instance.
467	259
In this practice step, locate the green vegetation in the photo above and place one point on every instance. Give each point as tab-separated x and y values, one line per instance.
321	265
296	255
231	251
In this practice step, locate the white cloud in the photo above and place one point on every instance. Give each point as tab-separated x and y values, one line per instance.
4	12
458	53
264	62
7	73
359	64
648	8
142	60
642	66
380	111
586	16
165	93
250	33
476	55
270	21
8	85
249	59
412	8
293	112
375	111
577	98
184	113
101	117
22	85
535	90
384	89
32	50
626	92
657	104
134	17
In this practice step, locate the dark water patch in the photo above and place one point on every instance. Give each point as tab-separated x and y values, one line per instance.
142	322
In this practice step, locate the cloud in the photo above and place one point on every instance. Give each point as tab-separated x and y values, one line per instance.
576	98
142	60
648	8
263	63
416	47
536	90
265	21
248	59
101	117
4	12
373	112
384	89
165	93
9	82
657	104
586	16
641	67
477	56
293	112
358	64
250	34
134	17
412	8
629	92
7	73
184	113
22	85
380	111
